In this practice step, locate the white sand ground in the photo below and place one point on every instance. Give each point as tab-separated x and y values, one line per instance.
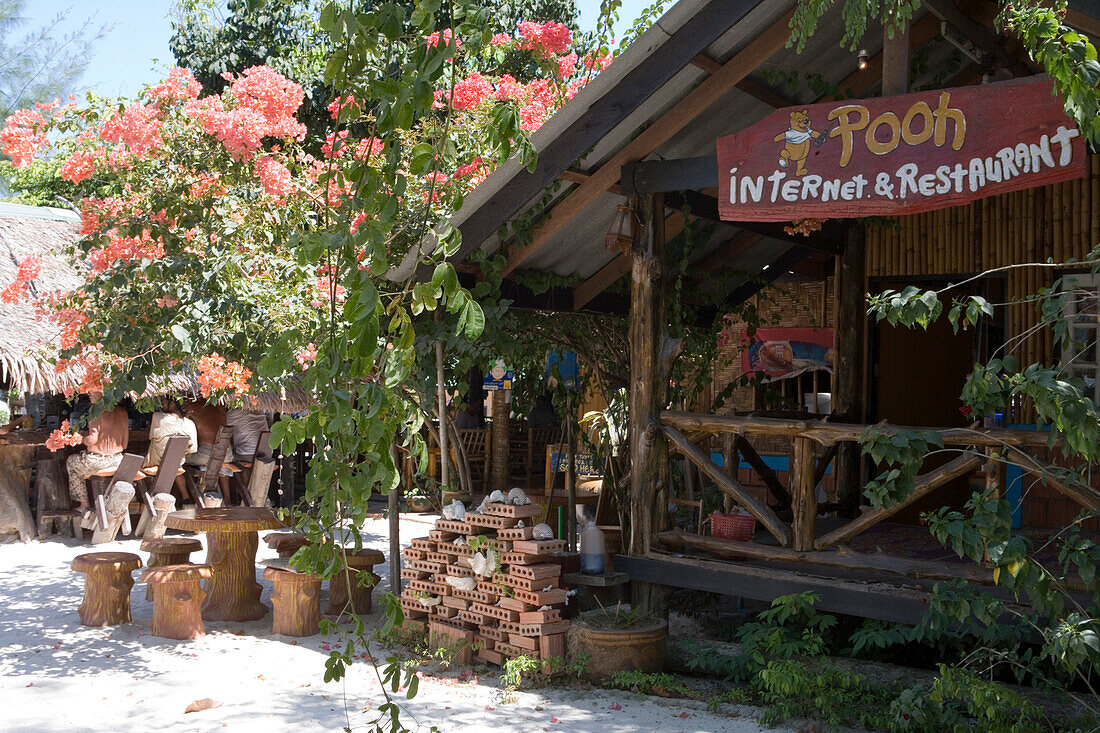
56	675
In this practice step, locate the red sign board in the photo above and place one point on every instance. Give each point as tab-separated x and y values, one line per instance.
898	155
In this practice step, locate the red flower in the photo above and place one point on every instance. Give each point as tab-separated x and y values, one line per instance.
965	410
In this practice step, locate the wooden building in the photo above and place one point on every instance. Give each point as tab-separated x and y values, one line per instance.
644	133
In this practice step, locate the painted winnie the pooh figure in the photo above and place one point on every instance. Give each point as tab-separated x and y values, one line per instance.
797	140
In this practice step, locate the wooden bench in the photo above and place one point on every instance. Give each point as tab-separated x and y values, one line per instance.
202	480
177	602
108	580
296	600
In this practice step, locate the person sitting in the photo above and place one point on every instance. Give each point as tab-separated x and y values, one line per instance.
208	419
247	426
106	438
167	422
470	418
542	414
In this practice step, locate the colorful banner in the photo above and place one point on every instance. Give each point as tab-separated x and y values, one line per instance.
898	155
787	352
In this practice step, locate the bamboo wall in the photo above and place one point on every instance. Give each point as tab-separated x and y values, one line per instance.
1058	222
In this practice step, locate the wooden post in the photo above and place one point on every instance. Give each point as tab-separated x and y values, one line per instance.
499	436
848	375
395	533
895	58
648	333
804	494
570	479
441	397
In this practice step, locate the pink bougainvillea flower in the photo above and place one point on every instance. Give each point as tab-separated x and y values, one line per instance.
307	356
274	176
179	86
78	167
138	127
549	38
216	373
22	137
62	437
472	91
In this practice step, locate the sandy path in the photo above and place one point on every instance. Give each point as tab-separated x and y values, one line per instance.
58	675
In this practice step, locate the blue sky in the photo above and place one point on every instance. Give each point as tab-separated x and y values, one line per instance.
134	50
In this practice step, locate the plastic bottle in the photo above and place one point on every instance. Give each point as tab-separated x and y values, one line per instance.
592	550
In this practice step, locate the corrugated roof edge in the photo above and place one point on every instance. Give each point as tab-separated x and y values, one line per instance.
661	30
23	211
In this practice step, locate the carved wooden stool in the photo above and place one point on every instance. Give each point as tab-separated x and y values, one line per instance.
107	584
168	551
177	604
286	543
296	599
345	592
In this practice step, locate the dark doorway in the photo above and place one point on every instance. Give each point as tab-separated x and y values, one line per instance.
917	376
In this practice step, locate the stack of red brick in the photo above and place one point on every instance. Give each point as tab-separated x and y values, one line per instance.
504	616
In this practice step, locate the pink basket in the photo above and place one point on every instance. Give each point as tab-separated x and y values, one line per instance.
737	527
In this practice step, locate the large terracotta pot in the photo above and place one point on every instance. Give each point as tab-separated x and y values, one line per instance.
613	650
419	504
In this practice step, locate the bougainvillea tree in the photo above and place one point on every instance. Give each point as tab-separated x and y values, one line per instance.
215	245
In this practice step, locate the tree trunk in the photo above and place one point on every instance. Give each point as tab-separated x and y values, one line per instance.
499	436
648	336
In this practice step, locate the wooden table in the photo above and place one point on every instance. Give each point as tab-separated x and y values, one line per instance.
232	535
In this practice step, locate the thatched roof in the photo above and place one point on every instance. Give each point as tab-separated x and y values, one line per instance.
27	342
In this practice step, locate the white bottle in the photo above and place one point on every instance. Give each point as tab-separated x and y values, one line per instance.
592	550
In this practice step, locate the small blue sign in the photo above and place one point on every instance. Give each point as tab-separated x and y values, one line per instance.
561	366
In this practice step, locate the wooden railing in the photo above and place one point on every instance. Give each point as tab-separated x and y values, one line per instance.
994	447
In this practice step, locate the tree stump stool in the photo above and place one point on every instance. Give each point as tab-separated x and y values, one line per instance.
296	599
286	543
177	603
107	584
168	551
345	592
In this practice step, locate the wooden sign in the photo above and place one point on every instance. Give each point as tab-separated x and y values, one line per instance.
898	155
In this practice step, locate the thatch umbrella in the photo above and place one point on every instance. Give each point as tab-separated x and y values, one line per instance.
29	344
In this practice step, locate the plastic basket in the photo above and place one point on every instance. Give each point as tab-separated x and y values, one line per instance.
737	527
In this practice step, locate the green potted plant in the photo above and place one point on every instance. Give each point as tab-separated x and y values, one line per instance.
450	494
618	639
418	500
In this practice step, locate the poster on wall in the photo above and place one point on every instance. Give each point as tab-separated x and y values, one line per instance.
898	155
787	352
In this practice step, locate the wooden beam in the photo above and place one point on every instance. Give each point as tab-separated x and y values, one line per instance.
682	174
747	85
978	34
827	433
1086	23
860	80
606	276
606	112
729	486
924	484
766	474
849	340
804	494
881	601
726	253
1086	496
845	559
663	129
895	58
